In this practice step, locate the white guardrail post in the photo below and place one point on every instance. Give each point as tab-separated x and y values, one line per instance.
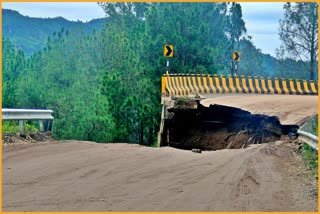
27	114
309	139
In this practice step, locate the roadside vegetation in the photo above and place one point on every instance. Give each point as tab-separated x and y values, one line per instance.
184	100
316	128
310	157
11	127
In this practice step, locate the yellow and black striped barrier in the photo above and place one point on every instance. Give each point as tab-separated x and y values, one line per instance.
184	84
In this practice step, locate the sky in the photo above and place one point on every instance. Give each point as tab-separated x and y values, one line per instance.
262	19
262	23
72	10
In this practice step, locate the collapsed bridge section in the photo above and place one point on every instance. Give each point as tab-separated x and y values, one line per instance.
184	84
189	125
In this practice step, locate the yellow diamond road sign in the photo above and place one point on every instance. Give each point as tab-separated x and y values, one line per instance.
168	50
236	56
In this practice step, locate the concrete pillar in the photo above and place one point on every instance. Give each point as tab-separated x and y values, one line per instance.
51	121
21	125
41	125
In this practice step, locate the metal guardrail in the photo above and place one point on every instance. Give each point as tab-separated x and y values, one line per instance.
27	114
309	139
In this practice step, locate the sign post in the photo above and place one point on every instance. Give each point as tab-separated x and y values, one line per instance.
236	59
168	52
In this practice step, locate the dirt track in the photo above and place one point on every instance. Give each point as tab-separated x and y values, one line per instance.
83	176
80	176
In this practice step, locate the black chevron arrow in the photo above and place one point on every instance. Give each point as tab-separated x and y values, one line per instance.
169	50
237	56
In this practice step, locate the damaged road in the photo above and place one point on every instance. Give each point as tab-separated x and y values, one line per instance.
86	176
191	125
290	109
235	121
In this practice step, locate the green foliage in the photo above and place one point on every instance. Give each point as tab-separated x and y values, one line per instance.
155	144
316	129
9	127
235	29
13	64
30	127
310	157
199	37
235	26
184	100
66	78
30	34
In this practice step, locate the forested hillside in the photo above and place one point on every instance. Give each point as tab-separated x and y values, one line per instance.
30	34
105	85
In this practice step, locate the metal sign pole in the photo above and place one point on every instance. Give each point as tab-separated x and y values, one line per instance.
235	69
235	61
168	52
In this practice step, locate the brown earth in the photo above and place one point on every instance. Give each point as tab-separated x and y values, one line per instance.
25	137
84	176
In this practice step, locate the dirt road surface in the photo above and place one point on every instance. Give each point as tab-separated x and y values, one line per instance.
289	109
83	176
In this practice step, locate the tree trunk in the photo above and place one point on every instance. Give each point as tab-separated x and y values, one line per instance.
150	137
313	51
312	69
232	65
232	68
141	133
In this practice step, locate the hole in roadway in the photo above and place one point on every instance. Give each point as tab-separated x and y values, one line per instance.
220	127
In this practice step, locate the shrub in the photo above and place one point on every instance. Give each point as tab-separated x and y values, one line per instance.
183	100
310	157
10	127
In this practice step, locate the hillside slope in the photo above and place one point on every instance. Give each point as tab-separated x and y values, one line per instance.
30	34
